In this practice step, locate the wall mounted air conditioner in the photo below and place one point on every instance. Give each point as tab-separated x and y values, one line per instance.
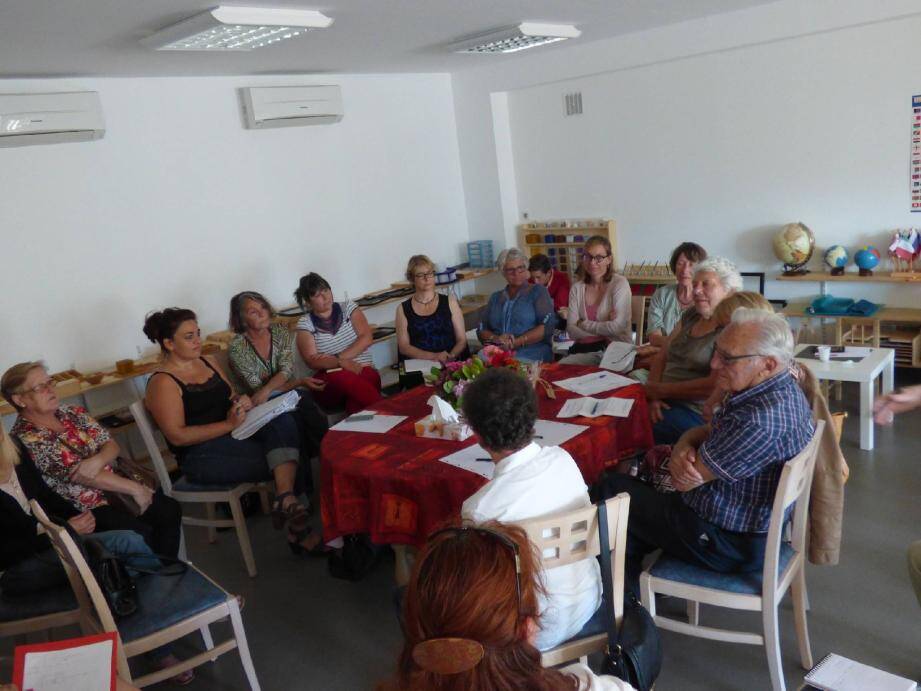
291	106
50	118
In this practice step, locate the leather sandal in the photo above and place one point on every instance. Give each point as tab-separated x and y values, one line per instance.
294	516
295	538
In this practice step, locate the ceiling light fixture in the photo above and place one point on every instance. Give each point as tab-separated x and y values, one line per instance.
525	35
236	28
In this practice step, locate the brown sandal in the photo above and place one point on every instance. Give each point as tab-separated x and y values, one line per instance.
294	516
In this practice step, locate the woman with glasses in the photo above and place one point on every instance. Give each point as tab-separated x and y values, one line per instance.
471	614
430	326
599	305
333	338
519	317
75	454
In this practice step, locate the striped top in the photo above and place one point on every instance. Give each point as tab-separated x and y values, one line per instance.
333	344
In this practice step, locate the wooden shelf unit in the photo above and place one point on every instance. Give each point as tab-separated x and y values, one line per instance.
850	277
564	256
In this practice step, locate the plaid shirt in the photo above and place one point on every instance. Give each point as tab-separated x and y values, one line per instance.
751	437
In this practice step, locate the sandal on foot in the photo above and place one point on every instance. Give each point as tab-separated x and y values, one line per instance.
318	550
295	515
183	678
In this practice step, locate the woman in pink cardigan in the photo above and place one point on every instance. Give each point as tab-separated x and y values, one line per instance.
599	305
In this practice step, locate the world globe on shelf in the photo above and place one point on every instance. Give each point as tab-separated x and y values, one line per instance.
794	245
867	259
836	258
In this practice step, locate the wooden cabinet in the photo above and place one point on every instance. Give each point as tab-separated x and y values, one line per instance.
562	241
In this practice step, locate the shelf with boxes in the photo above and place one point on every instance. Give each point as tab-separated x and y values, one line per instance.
562	241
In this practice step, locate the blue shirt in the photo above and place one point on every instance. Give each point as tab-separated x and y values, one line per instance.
531	306
751	437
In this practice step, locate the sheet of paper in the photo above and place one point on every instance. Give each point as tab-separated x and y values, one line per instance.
837	673
595	407
549	433
81	668
419	365
377	424
594	382
261	415
473	458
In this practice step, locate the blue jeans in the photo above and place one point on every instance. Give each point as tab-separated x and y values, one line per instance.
676	420
225	460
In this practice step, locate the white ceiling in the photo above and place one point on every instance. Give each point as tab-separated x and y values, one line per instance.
46	38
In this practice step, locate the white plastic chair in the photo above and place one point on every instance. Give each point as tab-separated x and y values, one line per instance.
784	567
570	537
189	493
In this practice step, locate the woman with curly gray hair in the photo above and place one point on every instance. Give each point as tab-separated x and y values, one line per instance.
680	379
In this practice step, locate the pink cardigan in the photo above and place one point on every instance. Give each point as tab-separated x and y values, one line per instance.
613	312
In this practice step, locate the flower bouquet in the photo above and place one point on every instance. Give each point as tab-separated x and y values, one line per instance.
451	379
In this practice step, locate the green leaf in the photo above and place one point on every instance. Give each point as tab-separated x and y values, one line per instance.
449	386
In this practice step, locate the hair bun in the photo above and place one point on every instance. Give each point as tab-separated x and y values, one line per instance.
448	655
153	323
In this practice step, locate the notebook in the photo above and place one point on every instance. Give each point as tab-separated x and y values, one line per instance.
836	673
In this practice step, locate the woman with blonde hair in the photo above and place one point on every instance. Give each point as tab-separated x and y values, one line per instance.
599	305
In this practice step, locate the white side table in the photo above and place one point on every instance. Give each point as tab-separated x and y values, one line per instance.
876	362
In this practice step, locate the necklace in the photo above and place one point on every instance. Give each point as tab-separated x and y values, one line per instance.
427	302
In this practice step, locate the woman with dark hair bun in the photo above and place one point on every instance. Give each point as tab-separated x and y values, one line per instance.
333	338
470	617
196	408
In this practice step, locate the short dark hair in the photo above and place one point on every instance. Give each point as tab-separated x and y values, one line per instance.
159	326
501	407
692	252
540	262
308	286
237	302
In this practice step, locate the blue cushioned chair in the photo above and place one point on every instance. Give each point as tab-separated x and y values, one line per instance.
570	537
784	567
40	612
169	607
188	492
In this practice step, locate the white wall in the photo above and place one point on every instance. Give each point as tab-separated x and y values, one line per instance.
179	205
717	130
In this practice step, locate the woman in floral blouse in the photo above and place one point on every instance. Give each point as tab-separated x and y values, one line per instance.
75	454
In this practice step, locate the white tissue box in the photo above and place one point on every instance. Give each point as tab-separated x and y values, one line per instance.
428	427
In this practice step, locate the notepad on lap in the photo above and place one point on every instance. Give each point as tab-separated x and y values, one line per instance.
836	673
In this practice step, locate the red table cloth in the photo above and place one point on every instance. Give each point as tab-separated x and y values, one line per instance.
393	487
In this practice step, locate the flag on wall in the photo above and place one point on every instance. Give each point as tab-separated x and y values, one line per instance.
915	181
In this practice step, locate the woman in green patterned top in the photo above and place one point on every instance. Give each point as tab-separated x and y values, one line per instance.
262	357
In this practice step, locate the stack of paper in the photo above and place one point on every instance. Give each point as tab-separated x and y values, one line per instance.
419	365
263	414
473	458
595	407
595	382
368	421
837	673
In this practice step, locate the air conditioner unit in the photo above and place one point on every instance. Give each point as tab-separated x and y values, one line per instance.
50	118
291	106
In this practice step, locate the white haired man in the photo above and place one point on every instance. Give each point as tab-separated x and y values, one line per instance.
727	472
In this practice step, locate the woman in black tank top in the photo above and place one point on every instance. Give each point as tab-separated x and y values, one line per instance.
197	409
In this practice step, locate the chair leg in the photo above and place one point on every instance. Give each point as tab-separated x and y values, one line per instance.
183	554
207	640
242	646
647	596
800	605
772	644
693	613
264	501
212	531
239	521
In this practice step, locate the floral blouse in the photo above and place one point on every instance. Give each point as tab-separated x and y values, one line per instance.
249	365
56	455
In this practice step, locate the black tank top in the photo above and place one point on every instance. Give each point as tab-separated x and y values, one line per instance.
434	332
204	403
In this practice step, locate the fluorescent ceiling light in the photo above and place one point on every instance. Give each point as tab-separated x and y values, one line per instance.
236	28
525	35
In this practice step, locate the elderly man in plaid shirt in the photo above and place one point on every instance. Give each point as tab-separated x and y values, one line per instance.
726	472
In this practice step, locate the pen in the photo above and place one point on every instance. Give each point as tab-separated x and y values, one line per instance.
537	436
482	459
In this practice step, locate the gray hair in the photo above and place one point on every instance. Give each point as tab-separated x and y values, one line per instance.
725	270
510	255
774	338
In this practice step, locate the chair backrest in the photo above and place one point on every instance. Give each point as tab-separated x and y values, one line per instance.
566	538
794	487
638	317
147	428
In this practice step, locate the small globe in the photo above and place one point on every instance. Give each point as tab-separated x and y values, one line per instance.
794	245
836	257
867	258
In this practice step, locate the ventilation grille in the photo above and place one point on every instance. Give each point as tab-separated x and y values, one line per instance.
574	103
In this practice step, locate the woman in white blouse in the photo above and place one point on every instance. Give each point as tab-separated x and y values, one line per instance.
599	305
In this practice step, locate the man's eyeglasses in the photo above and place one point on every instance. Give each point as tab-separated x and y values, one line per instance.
595	258
46	386
425	274
723	356
503	540
511	270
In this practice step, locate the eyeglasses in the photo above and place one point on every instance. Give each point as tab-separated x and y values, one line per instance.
515	269
727	358
503	540
46	386
595	258
426	274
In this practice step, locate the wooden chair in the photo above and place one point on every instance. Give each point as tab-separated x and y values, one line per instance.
188	492
784	567
41	612
855	331
169	607
638	305
571	537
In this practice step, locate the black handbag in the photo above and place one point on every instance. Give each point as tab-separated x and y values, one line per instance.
634	654
112	575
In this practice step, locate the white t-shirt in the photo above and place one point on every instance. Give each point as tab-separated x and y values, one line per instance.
532	483
589	681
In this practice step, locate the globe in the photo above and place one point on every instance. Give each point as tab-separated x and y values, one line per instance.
794	245
836	258
866	259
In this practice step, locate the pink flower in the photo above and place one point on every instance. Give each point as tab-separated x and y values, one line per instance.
454	365
489	352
